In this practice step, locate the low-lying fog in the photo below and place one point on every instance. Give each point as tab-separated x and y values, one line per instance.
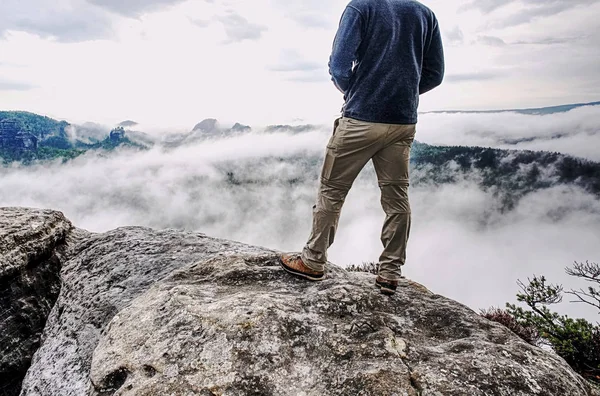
460	245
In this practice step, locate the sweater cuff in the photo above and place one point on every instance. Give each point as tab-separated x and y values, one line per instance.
341	83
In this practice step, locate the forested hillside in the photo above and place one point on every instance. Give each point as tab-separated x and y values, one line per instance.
53	140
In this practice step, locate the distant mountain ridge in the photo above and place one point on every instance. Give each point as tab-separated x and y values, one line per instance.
27	137
41	127
528	111
512	173
509	175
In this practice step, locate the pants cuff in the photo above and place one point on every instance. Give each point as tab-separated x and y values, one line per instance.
312	264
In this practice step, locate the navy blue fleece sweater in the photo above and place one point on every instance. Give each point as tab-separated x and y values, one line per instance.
385	54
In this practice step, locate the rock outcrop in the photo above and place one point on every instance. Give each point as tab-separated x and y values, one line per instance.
208	129
32	248
14	139
240	128
146	312
210	126
117	135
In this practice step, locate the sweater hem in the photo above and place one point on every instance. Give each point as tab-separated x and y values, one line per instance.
395	121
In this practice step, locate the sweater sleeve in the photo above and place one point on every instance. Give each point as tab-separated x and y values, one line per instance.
345	48
433	62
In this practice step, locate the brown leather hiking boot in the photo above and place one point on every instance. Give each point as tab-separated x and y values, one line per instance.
388	287
293	264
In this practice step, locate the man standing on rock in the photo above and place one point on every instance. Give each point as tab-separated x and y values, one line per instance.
386	53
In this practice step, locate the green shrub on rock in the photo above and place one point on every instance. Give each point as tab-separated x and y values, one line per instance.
575	340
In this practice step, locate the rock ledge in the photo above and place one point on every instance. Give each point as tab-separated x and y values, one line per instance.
147	312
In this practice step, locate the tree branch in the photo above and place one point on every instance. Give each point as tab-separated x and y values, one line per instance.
581	293
588	271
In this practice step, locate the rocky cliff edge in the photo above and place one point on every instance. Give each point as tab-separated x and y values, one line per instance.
137	311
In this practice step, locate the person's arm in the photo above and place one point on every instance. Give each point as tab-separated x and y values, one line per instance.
345	48
433	62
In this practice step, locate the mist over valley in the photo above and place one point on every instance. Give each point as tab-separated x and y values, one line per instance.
483	217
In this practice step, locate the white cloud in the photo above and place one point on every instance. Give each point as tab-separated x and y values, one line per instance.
532	7
164	62
453	36
239	28
491	40
311	14
576	132
134	8
461	245
66	20
14	86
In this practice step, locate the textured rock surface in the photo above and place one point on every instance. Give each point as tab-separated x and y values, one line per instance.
240	326
32	244
106	272
144	312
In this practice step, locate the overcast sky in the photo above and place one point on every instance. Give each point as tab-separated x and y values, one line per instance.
175	62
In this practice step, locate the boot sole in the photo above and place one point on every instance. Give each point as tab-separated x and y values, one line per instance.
301	274
385	289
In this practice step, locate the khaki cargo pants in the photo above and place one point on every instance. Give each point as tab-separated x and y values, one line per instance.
352	145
